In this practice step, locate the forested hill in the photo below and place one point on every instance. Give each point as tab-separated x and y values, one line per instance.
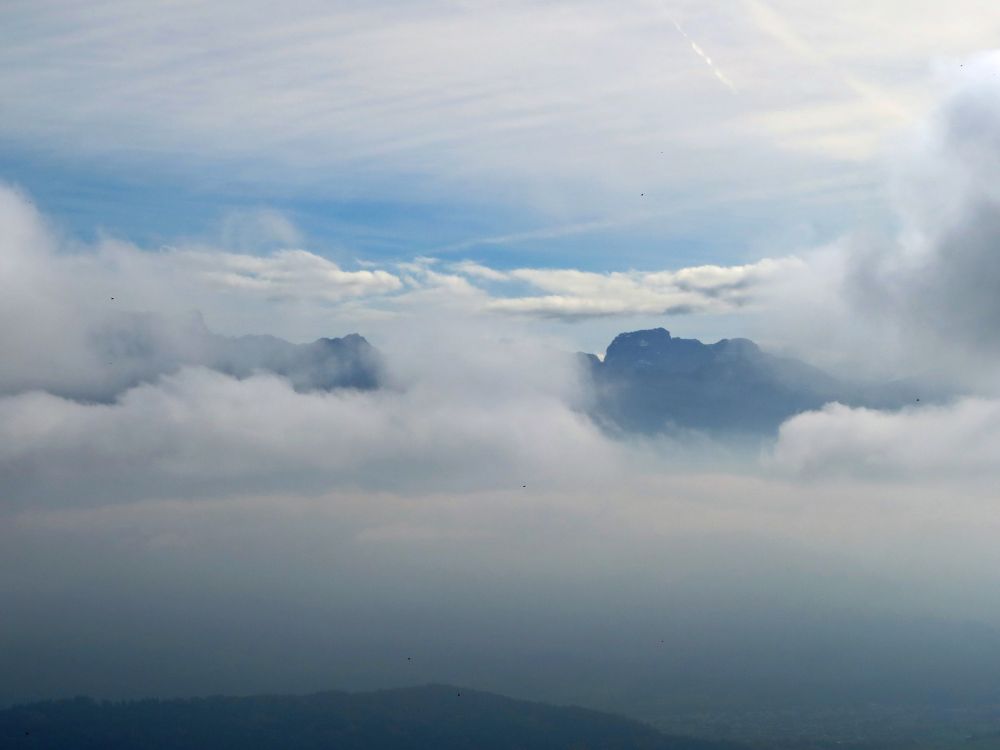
427	718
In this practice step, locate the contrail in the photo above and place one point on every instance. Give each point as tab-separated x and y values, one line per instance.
701	53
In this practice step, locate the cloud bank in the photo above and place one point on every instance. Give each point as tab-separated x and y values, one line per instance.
921	300
933	442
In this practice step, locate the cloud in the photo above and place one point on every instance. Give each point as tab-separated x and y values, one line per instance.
295	274
922	299
917	444
921	302
199	432
36	304
478	271
258	229
581	294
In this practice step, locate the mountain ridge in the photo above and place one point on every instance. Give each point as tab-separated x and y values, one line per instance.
651	382
431	716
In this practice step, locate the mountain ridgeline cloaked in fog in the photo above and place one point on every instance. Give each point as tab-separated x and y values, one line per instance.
651	382
133	349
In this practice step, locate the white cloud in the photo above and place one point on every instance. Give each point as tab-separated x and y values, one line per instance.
921	300
201	432
917	444
295	274
71	290
478	271
572	293
258	229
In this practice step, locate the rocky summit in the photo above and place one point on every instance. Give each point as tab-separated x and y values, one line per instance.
652	382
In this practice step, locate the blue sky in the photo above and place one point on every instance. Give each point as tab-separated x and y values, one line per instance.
86	200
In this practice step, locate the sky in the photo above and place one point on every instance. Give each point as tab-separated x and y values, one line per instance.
477	188
512	133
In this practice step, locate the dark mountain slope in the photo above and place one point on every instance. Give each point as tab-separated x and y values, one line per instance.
324	364
428	718
652	382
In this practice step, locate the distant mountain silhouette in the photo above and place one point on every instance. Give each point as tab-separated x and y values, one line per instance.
648	382
651	382
428	718
324	364
132	349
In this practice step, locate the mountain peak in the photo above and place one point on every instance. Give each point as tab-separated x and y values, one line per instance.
656	350
351	339
651	381
439	716
652	337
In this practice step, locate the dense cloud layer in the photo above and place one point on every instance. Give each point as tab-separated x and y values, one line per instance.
200	431
922	301
958	440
